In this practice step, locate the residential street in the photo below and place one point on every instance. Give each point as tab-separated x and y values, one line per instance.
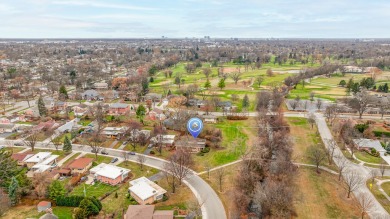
212	207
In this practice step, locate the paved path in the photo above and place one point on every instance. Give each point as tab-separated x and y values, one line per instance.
113	144
377	211
379	183
320	167
212	207
156	176
24	150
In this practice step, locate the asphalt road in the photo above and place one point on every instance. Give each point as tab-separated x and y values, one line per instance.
212	207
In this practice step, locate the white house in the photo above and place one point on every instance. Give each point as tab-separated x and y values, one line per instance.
109	174
144	191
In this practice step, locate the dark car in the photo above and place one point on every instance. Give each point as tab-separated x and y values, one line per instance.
104	152
132	153
114	160
18	143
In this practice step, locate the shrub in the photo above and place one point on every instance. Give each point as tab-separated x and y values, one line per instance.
206	150
200	153
152	152
230	117
373	151
361	127
381	133
164	198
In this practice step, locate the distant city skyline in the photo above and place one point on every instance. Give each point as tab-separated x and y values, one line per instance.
194	18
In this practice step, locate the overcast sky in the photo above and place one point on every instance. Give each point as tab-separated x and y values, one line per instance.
194	18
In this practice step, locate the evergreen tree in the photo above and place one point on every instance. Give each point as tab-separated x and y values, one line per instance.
41	107
141	111
221	83
169	92
88	207
56	189
342	83
13	191
177	81
207	85
245	101
63	92
151	80
67	145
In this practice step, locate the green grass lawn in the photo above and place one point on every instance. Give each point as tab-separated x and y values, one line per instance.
15	149
63	212
364	156
136	169
234	143
386	187
97	190
84	122
100	159
379	196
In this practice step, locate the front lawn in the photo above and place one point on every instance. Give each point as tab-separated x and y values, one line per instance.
100	159
366	157
136	169
97	190
63	212
71	159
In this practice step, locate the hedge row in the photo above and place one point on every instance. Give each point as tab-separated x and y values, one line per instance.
69	201
381	133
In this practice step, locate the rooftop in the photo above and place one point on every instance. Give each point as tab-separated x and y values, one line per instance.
80	163
109	171
145	188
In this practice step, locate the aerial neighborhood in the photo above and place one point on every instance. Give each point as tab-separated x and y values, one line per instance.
101	128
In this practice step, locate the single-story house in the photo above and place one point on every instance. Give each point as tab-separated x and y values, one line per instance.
100	85
21	157
80	110
157	114
43	206
147	212
144	191
69	126
364	143
166	140
48	125
80	165
91	95
109	174
119	109
41	158
225	105
193	145
113	132
153	97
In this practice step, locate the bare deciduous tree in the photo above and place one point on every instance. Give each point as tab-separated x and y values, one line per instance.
342	164
382	168
366	203
311	118
141	161
352	182
360	102
319	104
31	140
179	165
171	179
220	174
316	155
236	76
373	174
332	145
194	207
95	145
125	156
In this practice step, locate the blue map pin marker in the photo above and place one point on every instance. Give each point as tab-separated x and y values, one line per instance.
194	126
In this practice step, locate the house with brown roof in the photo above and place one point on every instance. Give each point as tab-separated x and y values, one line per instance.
81	165
146	212
21	157
119	109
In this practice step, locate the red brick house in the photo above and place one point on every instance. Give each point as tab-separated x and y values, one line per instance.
81	165
119	109
109	174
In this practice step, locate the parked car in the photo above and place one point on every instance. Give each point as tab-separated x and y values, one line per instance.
125	142
132	153
18	143
104	152
114	160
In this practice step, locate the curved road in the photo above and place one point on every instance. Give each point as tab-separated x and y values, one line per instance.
212	207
